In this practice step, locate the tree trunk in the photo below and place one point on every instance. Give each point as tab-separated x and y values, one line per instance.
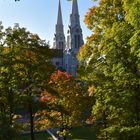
31	122
65	138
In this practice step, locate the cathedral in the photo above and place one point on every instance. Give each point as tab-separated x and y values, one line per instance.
66	48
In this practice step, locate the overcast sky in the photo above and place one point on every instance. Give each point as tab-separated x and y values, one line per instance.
40	16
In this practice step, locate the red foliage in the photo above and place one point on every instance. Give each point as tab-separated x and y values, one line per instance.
45	96
60	76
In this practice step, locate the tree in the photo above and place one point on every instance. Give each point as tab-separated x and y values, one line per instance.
25	68
111	61
8	89
67	107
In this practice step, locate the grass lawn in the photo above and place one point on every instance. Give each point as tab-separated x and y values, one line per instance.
38	136
83	133
78	133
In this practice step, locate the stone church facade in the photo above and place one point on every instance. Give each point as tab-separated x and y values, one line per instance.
67	48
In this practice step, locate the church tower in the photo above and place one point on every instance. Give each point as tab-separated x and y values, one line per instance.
74	40
59	41
65	53
59	37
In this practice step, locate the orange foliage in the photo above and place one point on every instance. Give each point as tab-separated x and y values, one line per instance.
91	90
45	96
88	18
60	76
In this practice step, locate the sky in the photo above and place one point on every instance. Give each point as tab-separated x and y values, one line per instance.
40	16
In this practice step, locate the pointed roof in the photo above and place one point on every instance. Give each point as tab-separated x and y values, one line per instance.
74	16
59	17
75	8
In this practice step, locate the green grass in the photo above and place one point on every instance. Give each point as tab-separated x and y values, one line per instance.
83	133
38	136
78	133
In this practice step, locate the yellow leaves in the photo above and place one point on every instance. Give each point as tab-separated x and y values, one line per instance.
132	8
83	52
42	124
101	46
90	120
93	38
102	2
55	114
15	117
96	30
35	37
47	97
89	20
91	90
64	133
41	113
95	50
6	50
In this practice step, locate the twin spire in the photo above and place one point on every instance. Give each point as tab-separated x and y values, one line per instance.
74	13
68	48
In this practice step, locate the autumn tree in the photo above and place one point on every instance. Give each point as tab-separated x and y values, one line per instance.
110	61
68	105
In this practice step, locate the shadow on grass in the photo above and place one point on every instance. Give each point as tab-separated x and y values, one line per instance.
78	133
38	136
83	133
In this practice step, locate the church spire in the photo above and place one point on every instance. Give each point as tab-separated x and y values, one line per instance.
74	40
74	19
59	38
75	7
59	25
59	17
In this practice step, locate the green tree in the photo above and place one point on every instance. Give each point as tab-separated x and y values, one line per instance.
8	89
110	62
25	68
